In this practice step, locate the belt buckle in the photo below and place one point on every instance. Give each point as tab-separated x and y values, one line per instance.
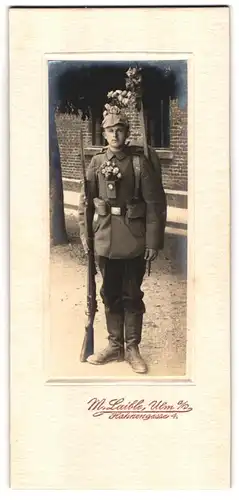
115	210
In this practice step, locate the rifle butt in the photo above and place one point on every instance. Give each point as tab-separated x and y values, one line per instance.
88	344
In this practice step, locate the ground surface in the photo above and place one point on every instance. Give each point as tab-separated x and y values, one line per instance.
164	334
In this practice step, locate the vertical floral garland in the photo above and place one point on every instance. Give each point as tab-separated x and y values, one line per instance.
120	99
134	85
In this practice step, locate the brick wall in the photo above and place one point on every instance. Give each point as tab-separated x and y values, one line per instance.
174	171
68	127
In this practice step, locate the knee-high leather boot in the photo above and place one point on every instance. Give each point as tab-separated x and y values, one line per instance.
115	349
133	332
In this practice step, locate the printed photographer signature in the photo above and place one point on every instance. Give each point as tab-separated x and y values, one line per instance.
137	409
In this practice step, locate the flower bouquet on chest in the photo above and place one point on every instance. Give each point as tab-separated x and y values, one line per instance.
111	173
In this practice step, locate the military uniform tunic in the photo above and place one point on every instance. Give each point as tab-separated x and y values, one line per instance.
124	226
137	225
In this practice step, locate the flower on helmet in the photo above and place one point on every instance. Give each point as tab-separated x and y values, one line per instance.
129	72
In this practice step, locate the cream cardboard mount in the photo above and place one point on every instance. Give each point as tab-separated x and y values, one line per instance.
61	434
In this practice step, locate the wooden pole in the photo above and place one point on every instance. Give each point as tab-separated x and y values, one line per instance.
146	149
143	128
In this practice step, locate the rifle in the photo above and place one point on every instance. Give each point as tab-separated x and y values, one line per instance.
145	145
88	342
143	128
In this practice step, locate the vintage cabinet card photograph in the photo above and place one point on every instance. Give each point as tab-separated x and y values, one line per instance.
120	231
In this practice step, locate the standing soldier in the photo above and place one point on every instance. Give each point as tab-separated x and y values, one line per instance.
125	204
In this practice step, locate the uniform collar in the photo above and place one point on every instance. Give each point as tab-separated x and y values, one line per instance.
120	155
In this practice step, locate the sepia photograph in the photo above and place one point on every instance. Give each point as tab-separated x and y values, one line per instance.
120	239
118	158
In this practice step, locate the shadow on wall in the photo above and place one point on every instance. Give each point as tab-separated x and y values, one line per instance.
175	249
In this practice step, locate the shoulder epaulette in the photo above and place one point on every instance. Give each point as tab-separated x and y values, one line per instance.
136	150
102	150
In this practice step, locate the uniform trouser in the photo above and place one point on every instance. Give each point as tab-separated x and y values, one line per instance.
122	295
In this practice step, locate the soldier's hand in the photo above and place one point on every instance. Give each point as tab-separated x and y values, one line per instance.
150	254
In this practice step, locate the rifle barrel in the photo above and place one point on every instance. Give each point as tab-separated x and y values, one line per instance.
82	157
143	127
88	342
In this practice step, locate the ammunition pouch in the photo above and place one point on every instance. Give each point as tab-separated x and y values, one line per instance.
135	219
100	206
136	210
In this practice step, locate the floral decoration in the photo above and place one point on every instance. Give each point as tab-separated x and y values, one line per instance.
121	99
110	171
134	85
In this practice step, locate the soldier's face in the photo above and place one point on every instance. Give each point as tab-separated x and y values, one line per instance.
116	136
